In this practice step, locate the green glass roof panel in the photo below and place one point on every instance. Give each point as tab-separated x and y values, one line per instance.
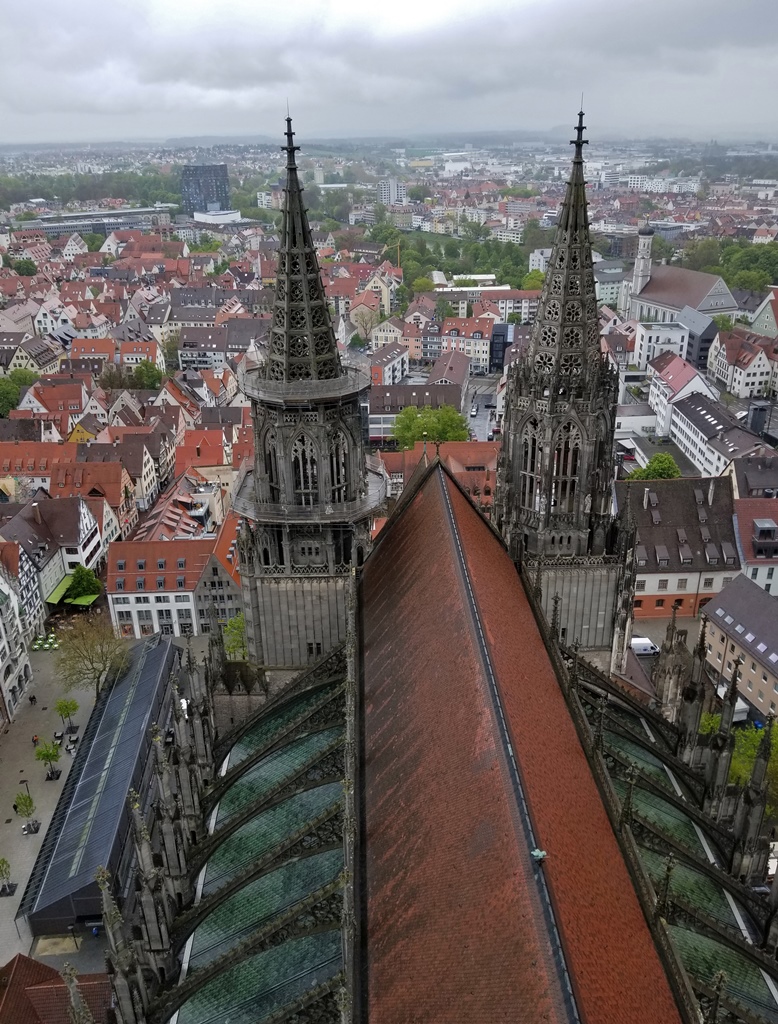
275	722
634	722
692	886
255	988
281	764
643	759
258	836
258	902
704	957
664	815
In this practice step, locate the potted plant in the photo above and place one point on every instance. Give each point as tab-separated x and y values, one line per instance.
25	805
50	754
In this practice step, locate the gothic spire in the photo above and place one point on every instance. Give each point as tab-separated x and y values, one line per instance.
302	343
565	336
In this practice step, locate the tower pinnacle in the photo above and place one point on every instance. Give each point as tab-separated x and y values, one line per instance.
579	141
302	343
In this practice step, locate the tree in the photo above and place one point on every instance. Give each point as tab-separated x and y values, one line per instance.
417	193
723	321
147	376
443	309
49	753
422	284
90	654
365	319
113	378
170	351
533	280
84	583
23	377
751	280
5	875
9	396
443	424
66	707
93	241
235	638
661	466
25	805
25	267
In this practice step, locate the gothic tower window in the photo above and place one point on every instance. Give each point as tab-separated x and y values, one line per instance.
531	457
271	466
339	453
567	455
305	468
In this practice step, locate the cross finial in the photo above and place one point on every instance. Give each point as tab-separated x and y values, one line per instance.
290	146
579	141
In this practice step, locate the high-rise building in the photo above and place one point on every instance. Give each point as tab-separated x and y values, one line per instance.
310	499
391	192
553	500
204	188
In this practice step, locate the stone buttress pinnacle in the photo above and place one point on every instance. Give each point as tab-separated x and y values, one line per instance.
302	343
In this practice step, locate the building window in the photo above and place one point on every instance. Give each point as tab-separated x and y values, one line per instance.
160	582
707	583
659	603
120	584
305	468
181	563
161	564
180	582
637	604
760	695
681	585
754	573
141	564
662	585
182	598
140	583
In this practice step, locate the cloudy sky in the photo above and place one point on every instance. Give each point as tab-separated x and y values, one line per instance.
127	69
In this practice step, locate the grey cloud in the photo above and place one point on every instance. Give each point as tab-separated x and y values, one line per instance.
694	64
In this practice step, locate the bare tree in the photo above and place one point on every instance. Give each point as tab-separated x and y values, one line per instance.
90	654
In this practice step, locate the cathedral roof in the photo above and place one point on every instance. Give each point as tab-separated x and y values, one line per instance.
302	343
464	718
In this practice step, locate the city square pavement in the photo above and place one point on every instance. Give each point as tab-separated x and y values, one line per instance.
17	762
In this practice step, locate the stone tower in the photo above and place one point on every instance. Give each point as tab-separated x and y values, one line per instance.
309	500
642	272
554	493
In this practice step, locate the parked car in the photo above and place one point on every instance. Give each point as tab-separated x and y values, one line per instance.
643	645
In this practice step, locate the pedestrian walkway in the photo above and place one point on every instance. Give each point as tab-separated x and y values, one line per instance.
17	763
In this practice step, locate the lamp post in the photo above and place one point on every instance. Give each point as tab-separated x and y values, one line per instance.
23	782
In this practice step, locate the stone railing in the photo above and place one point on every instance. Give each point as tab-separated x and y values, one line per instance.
245	504
351	382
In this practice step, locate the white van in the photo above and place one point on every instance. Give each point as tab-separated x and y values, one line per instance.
642	645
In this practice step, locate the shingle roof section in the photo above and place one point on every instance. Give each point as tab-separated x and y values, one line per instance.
745	604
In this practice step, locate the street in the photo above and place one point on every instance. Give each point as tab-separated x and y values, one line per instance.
481	391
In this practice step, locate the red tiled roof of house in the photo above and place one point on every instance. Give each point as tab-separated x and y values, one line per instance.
456	924
35	458
194	553
86	348
93	479
34	993
673	370
15	977
227	545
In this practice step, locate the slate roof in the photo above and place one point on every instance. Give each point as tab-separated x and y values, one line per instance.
743	603
682	525
458	929
754	473
677	286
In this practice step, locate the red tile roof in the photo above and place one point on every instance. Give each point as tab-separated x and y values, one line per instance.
747	510
456	928
34	993
227	544
195	554
34	458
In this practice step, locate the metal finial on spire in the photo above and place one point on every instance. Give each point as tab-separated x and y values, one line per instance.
579	141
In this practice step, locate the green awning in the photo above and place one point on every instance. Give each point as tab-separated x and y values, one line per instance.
85	599
60	590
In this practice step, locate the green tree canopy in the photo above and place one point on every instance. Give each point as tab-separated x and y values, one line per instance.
23	377
443	309
443	424
66	707
48	753
83	583
93	241
747	740
661	466
147	375
235	638
422	284
25	267
5	873
90	654
533	280
418	193
9	396
25	804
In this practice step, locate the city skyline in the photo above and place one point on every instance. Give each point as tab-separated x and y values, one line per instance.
157	71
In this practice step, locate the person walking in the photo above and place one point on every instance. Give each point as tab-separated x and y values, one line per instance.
16	809
35	741
33	699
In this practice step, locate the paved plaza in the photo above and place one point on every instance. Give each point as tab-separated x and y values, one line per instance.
17	762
